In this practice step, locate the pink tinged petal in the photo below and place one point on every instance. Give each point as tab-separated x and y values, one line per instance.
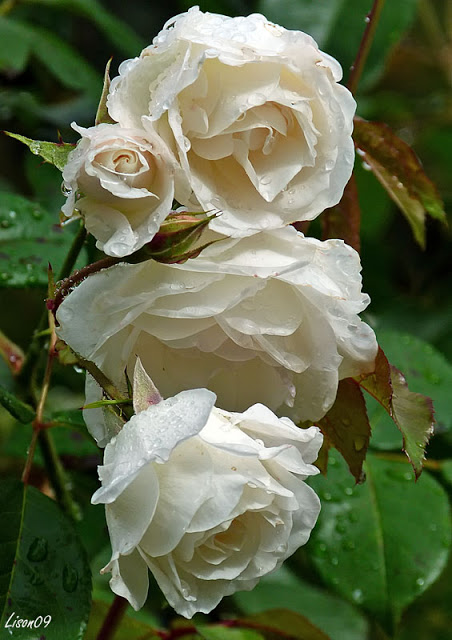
151	436
145	392
129	578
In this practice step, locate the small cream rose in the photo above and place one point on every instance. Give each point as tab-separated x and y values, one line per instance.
121	181
254	112
209	501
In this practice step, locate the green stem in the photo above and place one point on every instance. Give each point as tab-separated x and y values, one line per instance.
113	619
366	42
57	475
433	465
107	385
41	435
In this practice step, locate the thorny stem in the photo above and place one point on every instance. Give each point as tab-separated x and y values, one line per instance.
38	421
113	619
41	435
364	47
80	275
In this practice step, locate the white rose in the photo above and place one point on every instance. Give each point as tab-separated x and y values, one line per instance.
254	113
125	180
209	501
270	318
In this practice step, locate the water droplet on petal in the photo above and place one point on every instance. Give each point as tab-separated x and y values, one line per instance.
66	190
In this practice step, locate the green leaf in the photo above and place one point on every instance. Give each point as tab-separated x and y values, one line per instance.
29	240
326	610
346	425
380	544
281	623
226	633
70	418
65	63
102	110
16	46
118	32
68	442
44	569
54	152
385	434
398	169
338	26
411	412
426	369
128	629
446	471
57	56
18	409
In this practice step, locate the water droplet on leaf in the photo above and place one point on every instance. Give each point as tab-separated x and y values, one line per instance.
38	550
70	578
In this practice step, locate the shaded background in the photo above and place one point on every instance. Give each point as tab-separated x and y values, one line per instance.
51	65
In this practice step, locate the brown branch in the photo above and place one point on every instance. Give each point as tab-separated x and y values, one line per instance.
113	619
68	283
364	47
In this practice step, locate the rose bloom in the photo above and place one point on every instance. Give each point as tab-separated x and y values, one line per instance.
254	112
209	501
122	182
268	318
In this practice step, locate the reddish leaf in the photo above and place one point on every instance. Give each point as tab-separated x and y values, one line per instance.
282	623
12	354
322	459
346	426
398	169
412	412
378	383
343	220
